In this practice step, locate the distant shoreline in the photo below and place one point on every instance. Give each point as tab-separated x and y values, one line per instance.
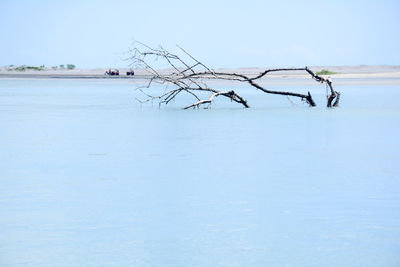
345	74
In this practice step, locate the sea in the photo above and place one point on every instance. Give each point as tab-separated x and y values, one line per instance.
89	176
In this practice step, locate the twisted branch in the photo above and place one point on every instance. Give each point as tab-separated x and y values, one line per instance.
188	75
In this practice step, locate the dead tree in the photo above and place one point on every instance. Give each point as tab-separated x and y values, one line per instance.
189	75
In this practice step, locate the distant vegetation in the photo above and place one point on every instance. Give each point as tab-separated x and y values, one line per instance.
325	72
25	67
38	68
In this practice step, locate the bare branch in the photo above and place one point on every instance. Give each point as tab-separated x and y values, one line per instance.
186	77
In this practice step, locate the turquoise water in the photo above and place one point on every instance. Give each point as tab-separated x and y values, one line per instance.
89	177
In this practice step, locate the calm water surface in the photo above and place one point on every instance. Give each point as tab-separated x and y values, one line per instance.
88	177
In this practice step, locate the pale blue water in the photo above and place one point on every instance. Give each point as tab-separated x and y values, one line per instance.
88	177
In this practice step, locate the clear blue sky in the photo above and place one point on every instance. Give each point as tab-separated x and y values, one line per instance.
224	33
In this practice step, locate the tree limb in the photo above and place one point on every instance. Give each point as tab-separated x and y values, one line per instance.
188	75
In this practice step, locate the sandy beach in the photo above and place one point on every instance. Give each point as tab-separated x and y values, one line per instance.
345	74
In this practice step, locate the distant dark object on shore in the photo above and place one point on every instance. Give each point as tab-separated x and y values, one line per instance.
112	72
115	72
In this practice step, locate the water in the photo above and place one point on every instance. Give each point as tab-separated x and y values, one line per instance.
89	177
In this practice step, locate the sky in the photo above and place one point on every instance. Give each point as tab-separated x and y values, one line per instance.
225	33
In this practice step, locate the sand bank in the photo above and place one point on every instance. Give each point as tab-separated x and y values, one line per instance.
384	75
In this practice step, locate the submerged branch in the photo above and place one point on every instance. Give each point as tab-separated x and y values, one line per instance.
188	75
231	94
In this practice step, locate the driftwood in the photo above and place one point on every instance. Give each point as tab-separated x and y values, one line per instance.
188	75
